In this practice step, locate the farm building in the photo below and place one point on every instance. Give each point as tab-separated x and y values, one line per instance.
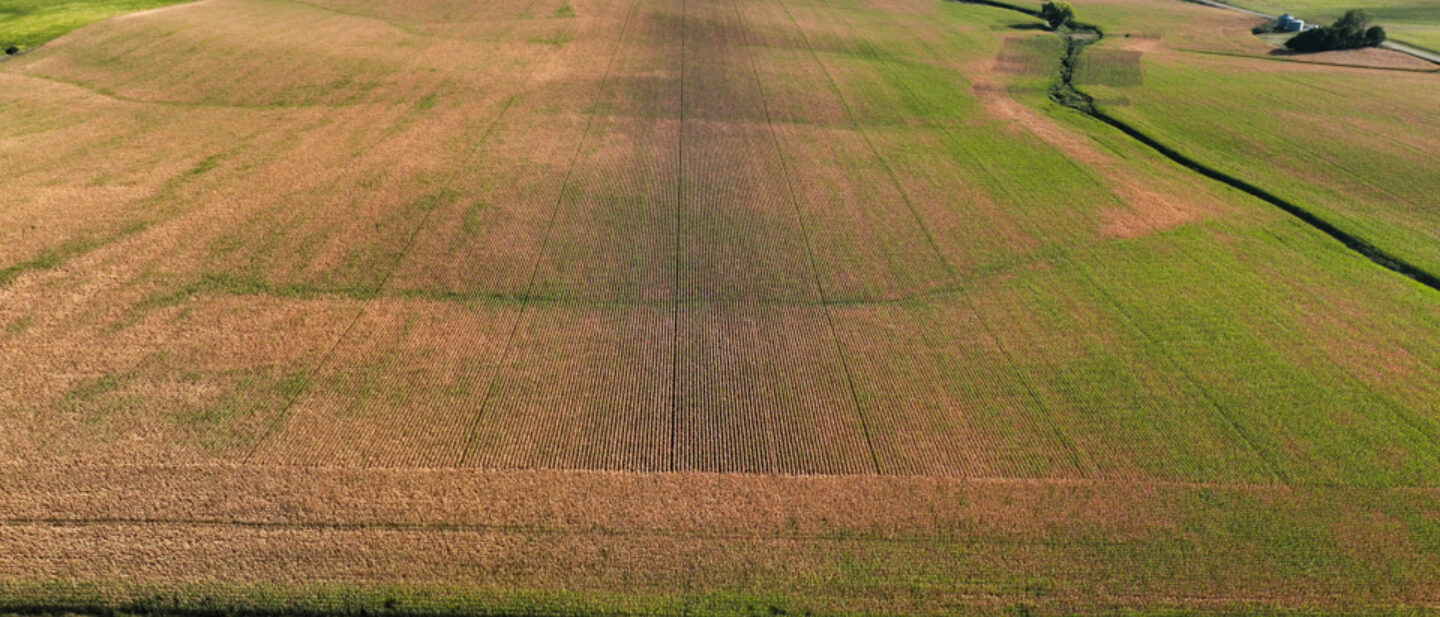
1288	23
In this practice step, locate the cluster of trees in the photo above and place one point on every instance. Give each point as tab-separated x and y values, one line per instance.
1349	32
12	50
1057	14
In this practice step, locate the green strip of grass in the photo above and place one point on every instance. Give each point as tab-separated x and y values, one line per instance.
216	600
25	24
264	600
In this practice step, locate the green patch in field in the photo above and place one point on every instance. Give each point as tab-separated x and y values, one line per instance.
206	164
564	11
428	101
246	284
19	326
56	255
366	266
557	39
96	399
244	411
471	223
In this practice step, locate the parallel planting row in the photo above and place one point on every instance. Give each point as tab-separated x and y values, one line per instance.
710	235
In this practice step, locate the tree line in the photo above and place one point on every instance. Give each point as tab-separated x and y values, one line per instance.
1351	31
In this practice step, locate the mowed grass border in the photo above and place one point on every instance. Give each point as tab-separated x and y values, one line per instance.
61	597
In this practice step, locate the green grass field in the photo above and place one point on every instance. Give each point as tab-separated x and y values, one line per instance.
713	307
29	23
1343	142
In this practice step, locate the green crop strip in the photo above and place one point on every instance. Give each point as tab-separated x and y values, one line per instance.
1064	92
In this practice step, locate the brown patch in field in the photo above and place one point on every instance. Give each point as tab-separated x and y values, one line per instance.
904	7
740	238
1139	41
762	389
178	385
1107	66
1017	117
581	389
1150	211
140	342
402	388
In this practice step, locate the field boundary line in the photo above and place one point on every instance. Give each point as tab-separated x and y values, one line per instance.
805	237
182	3
370	296
469	436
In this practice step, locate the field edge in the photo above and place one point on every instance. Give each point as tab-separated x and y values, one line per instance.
32	598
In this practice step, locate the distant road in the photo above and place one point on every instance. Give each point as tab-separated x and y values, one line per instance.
1390	45
1414	51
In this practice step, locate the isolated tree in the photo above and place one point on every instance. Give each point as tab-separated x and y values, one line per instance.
1057	14
12	50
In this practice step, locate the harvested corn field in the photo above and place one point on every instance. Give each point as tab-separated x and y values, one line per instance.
705	307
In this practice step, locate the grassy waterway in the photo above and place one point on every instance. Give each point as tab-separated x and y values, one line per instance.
1081	35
